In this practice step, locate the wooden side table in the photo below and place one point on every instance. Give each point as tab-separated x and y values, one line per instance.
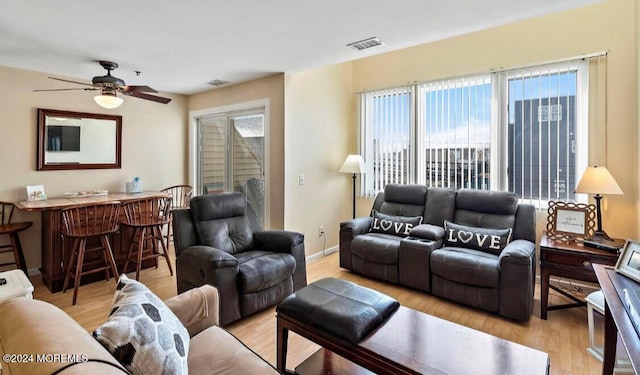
571	260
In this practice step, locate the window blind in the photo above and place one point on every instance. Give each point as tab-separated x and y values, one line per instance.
525	130
387	118
548	124
454	132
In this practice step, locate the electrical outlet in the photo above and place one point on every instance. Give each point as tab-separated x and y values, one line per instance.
321	231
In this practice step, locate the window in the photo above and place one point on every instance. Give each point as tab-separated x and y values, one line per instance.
521	130
231	156
542	132
454	130
389	124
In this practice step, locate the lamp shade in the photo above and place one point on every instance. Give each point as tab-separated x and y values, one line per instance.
108	100
353	164
598	180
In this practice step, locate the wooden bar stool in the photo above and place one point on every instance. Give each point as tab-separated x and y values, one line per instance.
82	223
180	195
147	217
12	230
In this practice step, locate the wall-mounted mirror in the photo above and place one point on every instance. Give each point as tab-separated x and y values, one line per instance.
76	140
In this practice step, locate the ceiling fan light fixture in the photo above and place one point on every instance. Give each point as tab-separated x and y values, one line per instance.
108	100
109	86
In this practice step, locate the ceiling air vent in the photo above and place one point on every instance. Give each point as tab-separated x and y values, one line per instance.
364	44
217	82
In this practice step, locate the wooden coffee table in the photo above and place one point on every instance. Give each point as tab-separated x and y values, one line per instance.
412	342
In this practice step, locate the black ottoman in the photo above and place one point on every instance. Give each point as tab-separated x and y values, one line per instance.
331	309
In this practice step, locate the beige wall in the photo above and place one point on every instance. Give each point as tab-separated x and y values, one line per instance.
271	88
153	138
607	26
319	134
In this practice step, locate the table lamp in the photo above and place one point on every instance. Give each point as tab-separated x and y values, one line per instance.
597	180
353	164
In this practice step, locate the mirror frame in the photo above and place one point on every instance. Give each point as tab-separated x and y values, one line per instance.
41	149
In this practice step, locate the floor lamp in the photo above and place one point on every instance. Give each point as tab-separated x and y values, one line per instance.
355	165
597	180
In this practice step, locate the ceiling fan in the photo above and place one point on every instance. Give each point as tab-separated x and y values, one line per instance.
109	86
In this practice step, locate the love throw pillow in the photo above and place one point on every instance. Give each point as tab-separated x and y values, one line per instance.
396	225
484	239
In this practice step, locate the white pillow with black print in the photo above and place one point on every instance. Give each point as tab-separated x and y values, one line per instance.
142	333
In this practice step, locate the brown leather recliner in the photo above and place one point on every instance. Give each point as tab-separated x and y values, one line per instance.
218	241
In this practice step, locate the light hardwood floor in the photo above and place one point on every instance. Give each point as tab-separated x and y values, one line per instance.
564	335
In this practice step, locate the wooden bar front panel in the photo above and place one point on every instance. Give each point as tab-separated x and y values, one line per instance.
56	254
56	250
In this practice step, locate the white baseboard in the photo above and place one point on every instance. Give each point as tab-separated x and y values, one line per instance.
318	255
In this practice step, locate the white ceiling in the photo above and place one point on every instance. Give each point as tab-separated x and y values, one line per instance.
180	45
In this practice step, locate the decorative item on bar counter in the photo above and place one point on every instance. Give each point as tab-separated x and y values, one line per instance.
90	193
36	193
134	186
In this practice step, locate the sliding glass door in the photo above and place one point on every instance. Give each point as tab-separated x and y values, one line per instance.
231	156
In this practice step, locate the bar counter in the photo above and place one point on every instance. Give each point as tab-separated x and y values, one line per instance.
64	202
56	249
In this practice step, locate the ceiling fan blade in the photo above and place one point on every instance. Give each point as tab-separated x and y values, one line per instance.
76	82
153	98
137	89
78	88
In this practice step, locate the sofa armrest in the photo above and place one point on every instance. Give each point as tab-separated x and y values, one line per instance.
282	241
357	226
200	265
518	252
427	232
348	231
196	308
213	257
277	241
31	326
517	264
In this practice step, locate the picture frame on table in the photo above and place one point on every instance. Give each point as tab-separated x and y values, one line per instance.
36	193
628	262
570	221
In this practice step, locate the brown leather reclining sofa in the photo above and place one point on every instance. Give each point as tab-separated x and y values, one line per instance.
470	246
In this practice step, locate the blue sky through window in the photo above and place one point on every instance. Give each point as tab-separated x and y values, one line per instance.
541	87
451	111
458	115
